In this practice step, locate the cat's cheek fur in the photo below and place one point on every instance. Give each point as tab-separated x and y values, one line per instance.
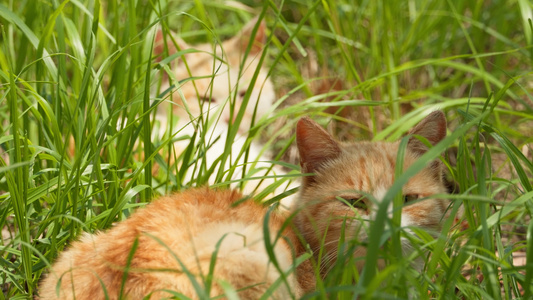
425	214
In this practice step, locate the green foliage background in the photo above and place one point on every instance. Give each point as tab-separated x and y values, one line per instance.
70	71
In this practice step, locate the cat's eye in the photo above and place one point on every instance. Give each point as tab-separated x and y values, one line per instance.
355	202
209	99
242	94
410	197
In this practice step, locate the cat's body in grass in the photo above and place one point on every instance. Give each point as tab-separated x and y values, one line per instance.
181	232
212	83
177	235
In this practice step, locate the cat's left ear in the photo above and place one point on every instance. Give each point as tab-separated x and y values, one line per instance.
432	127
243	38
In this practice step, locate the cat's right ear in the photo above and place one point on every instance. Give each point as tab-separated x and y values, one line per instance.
432	127
159	43
315	145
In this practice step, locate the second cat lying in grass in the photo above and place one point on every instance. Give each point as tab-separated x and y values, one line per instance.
212	84
205	242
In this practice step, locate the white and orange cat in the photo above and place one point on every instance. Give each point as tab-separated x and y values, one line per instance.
208	80
182	238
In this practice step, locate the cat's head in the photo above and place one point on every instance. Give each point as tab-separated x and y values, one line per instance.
361	173
211	76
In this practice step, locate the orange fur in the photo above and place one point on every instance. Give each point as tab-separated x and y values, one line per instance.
187	227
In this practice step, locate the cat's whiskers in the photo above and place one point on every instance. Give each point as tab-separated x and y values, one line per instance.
326	264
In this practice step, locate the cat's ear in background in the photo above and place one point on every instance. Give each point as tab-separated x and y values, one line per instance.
432	127
242	39
159	43
315	145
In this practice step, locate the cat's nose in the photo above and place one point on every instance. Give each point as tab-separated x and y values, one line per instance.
229	120
244	124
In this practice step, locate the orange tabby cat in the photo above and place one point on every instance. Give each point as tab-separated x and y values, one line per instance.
350	170
177	235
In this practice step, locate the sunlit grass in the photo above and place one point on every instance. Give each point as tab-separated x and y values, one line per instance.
78	89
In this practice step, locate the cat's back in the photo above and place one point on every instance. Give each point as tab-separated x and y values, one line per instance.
171	241
194	209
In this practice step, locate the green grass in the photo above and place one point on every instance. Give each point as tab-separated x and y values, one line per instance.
71	71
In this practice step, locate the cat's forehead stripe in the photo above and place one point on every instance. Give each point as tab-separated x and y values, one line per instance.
350	181
392	160
363	173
